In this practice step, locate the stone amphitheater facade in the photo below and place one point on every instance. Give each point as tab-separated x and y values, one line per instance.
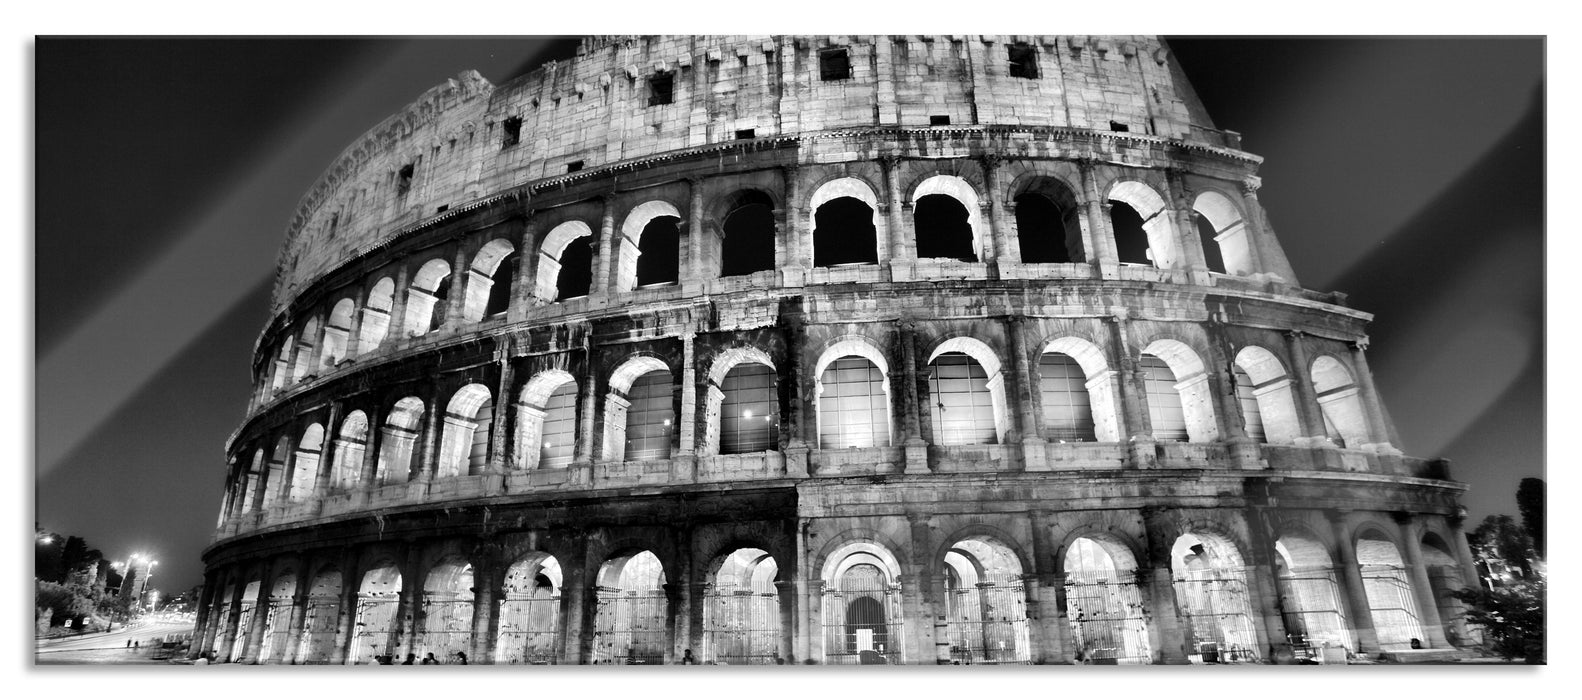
833	349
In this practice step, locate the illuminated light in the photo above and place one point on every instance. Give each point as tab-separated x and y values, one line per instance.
747	414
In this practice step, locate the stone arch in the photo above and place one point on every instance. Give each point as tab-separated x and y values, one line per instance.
376	315
1213	594
616	404
869	421
1444	579
305	467
337	334
745	228
1392	599
1100	384
1309	588
549	287
843	194
862	613
1047	219
1151	208
487	271
469	419
447	605
1340	402
981	353
427	295
719	425
632	610
320	623
1264	389
1191	384
278	481
963	194
543	403
1226	233
305	363
741	613
277	617
350	450
378	599
1104	602
396	454
530	610
986	617
632	228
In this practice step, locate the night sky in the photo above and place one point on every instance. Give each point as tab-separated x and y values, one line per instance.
1405	173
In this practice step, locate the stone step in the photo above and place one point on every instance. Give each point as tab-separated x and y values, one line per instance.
1424	656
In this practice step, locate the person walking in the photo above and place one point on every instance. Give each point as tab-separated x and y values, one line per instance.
430	660
461	658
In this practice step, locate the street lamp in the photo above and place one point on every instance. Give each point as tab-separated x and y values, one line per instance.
144	587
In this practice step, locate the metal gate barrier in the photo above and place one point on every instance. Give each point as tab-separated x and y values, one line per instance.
630	628
1310	601
318	631
527	630
987	623
1214	605
1106	613
741	628
1393	605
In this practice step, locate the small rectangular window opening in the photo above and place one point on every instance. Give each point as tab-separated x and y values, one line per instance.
742	60
573	166
1024	61
834	63
513	132
939	120
335	220
442	209
746	133
1117	126
404	180
660	88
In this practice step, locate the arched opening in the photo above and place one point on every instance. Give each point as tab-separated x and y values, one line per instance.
1049	223
942	230
530	611
1340	402
321	623
1310	595
853	401
427	297
350	452
650	247
749	235
631	611
278	486
376	315
1212	598
282	365
1180	405
469	420
1391	600
277	619
253	497
305	468
400	434
304	364
1264	392
1444	579
447	610
1131	241
337	334
844	234
741	610
985	604
862	607
244	622
1063	391
378	598
489	281
961	407
639	412
1143	232
742	405
1104	603
1227	246
1097	388
565	262
546	421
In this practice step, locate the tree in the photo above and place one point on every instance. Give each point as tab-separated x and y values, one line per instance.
1499	537
1530	501
1513	615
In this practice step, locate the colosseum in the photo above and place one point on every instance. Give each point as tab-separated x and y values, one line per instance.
817	350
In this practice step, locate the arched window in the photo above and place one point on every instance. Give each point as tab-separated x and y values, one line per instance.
1131	241
985	603
1165	413
1392	600
546	421
741	610
468	421
1143	232
962	409
1246	396
862	606
1063	390
1310	592
565	262
350	449
530	611
844	234
942	229
1227	247
575	279
749	230
1264	391
1340	402
277	619
337	334
427	296
303	364
1046	231
378	600
1206	238
278	478
320	624
1212	595
650	246
631	611
650	417
400	434
447	610
749	415
1104	601
489	281
376	315
853	405
305	470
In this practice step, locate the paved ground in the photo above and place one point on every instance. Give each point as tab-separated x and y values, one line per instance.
109	647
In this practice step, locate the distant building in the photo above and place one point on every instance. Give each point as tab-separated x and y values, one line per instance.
833	349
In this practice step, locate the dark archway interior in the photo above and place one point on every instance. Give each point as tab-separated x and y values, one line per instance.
1131	241
500	289
441	300
843	233
866	613
660	248
942	230
749	244
1206	234
576	269
1042	231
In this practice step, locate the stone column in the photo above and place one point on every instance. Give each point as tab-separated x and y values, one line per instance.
1464	558
1027	396
575	635
488	580
785	599
793	247
255	626
1378	427
918	597
372	444
1263	589
685	461
461	277
354	327
502	449
1137	429
1270	257
428	450
794	438
604	262
1166	633
1049	627
1231	423
1359	613
692	273
1422	589
321	480
1002	246
346	615
233	618
395	330
206	618
525	279
409	606
894	245
1098	240
916	450
582	459
1179	208
299	616
1307	409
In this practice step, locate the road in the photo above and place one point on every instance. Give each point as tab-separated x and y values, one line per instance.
108	647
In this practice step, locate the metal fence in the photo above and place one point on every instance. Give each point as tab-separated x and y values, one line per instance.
1107	618
447	627
1393	606
863	620
1213	603
630	628
527	630
318	631
375	620
987	623
741	628
1310	601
